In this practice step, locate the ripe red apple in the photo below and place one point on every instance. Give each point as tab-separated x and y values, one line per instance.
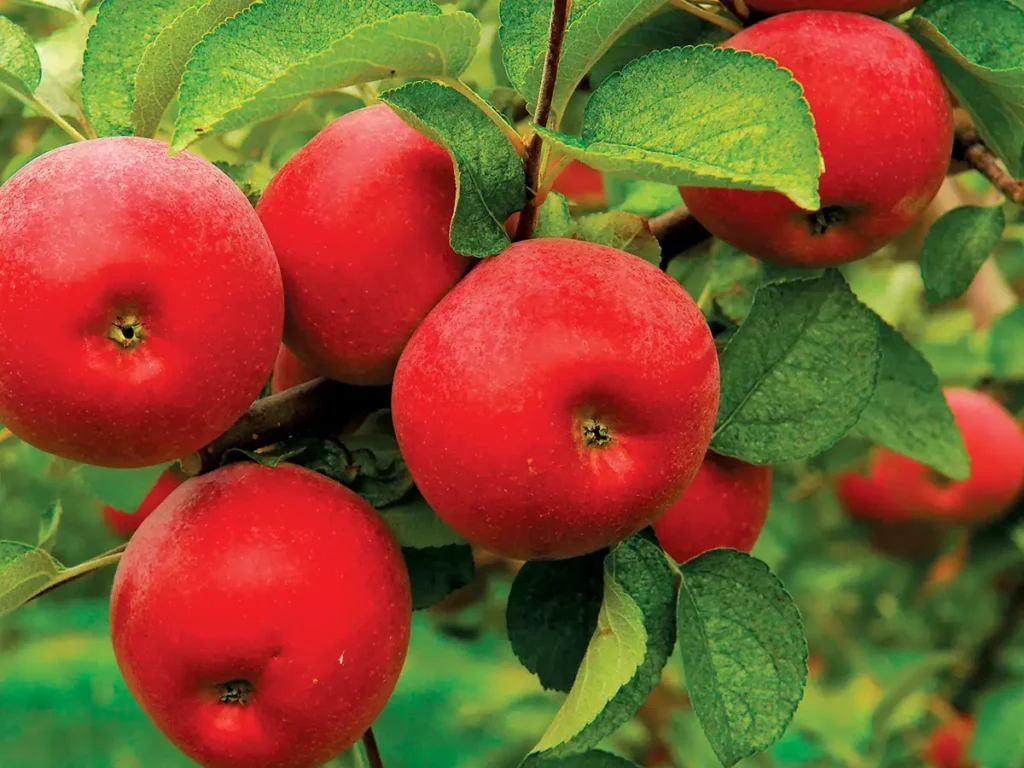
899	489
125	524
141	306
582	185
871	7
261	617
725	506
360	220
289	372
558	400
949	744
885	128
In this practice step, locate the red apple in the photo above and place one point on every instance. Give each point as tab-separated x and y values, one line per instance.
261	617
899	489
885	128
870	7
141	306
949	744
360	220
289	372
725	506
558	400
124	524
582	185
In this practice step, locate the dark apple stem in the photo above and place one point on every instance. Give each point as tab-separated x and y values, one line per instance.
319	407
985	667
970	148
677	231
372	750
534	150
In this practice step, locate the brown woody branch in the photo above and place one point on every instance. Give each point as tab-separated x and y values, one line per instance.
320	407
969	148
535	149
677	231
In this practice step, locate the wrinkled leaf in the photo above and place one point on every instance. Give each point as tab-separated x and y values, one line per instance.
956	247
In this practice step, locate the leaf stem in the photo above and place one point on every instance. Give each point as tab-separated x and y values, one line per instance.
709	16
78	571
372	750
46	110
535	149
485	106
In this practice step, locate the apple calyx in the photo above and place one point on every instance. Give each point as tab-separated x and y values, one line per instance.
235	691
128	331
822	219
595	434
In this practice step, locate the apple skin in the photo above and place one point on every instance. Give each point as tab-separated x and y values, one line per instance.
558	400
882	8
948	744
274	576
360	221
581	185
885	127
725	506
95	233
899	489
125	524
289	372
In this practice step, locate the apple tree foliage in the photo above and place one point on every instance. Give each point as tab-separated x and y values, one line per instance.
815	364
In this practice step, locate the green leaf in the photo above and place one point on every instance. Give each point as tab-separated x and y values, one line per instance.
908	412
979	47
554	218
625	231
19	63
998	738
69	6
743	649
24	572
1006	350
634	637
117	43
702	116
274	55
644	198
163	62
595	758
789	389
551	616
49	522
956	247
436	572
489	178
594	25
61	57
416	525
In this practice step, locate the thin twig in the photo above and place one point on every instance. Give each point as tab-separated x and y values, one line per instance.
985	667
372	750
970	148
677	231
534	165
319	407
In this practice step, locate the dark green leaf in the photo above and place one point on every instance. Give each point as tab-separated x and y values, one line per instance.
633	640
551	615
979	47
415	524
908	412
488	172
49	522
744	651
789	389
729	119
1006	348
436	572
595	758
955	248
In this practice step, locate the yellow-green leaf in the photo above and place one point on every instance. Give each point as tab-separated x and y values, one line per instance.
625	231
24	571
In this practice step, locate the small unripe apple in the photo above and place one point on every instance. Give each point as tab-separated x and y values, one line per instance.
123	523
289	372
725	506
882	8
885	128
360	220
558	400
261	617
899	489
949	744
141	306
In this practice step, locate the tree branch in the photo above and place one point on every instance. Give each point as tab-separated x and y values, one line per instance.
534	165
319	407
971	149
372	750
985	667
677	231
